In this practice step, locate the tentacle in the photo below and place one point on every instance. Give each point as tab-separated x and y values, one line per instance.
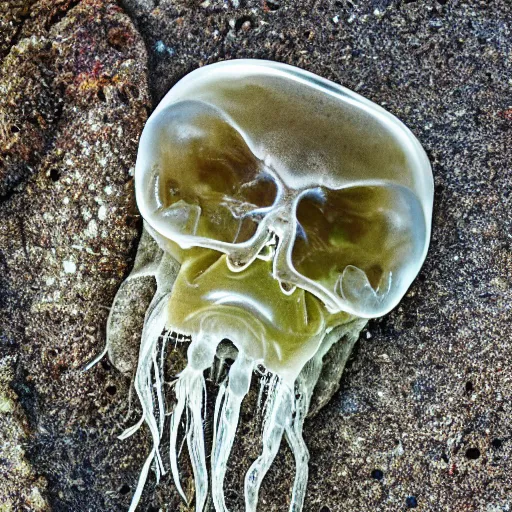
301	454
195	439
277	418
227	412
304	387
155	322
266	381
298	446
190	390
173	435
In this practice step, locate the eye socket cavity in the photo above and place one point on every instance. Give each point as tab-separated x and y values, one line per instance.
316	196
198	180
362	245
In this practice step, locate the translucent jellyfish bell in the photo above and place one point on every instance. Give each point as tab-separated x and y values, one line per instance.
286	208
234	144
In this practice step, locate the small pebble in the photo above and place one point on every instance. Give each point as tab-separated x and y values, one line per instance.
377	474
69	267
411	502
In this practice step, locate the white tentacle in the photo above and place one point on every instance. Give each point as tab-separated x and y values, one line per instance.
277	418
227	412
190	391
156	319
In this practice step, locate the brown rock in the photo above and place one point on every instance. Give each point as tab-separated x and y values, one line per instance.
73	103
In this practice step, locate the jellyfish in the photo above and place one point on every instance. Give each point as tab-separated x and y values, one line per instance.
287	211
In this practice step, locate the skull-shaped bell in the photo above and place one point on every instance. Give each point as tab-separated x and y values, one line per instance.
243	154
293	205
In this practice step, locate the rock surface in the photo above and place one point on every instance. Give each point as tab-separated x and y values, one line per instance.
73	100
423	417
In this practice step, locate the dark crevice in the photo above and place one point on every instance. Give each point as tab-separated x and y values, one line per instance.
472	453
125	489
60	14
17	35
272	5
55	175
151	62
497	443
27	396
240	22
123	97
4	198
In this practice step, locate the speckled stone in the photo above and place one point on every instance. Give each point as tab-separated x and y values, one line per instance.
426	398
73	100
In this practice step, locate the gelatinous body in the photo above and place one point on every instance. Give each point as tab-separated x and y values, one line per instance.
291	207
237	151
249	308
